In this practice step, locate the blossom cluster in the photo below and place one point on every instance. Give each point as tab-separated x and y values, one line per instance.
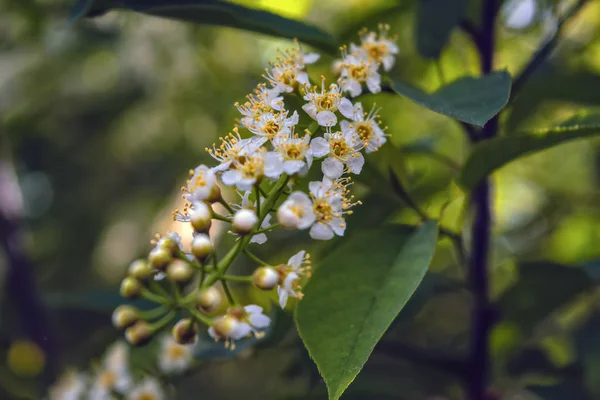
262	159
113	377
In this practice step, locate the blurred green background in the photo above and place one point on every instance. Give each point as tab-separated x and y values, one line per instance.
103	118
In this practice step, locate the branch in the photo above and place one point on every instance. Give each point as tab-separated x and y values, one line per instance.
544	51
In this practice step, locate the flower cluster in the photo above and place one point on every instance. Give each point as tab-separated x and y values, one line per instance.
263	159
113	377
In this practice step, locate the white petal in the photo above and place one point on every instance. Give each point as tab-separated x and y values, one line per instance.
388	62
231	177
253	309
245	184
212	333
346	108
283	296
354	87
311	110
374	83
259	321
273	165
258	140
319	146
355	163
326	118
293	120
320	231
338	225
332	167
259	239
311	58
345	125
295	261
292	167
241	331
307	219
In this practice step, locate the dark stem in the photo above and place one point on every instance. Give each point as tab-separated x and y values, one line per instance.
544	51
478	275
21	287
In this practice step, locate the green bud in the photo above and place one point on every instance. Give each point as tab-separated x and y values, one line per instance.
179	271
130	288
265	278
140	269
185	331
159	258
139	334
209	299
124	316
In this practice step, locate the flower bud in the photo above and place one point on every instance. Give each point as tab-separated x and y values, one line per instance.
130	288
124	316
140	269
265	278
200	217
170	243
159	258
138	334
209	299
287	218
202	247
179	271
244	221
185	331
225	326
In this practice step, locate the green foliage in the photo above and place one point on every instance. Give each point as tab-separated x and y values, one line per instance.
214	12
355	295
472	100
490	155
436	21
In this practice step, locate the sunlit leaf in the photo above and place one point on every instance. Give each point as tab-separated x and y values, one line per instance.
491	154
436	20
472	100
356	293
214	12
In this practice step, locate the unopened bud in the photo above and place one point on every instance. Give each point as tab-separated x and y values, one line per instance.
244	221
170	243
265	278
185	331
159	258
179	271
124	316
130	288
200	217
286	216
215	194
202	246
140	269
209	299
224	326
138	334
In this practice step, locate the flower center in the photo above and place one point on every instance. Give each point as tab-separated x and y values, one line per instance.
364	131
252	167
197	182
288	77
146	396
297	210
108	379
339	147
323	210
327	102
293	151
271	129
176	351
358	72
376	50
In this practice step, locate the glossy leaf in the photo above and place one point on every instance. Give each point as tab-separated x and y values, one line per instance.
470	99
356	293
436	20
491	154
214	12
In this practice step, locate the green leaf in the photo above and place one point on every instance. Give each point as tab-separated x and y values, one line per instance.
436	20
355	294
214	12
470	99
490	155
542	288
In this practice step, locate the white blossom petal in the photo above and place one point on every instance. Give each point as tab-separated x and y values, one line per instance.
326	118
231	177
321	231
346	108
320	147
332	167
355	163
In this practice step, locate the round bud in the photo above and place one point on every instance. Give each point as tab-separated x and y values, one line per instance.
159	258
124	316
244	221
138	334
185	331
265	278
179	271
225	326
202	246
209	299
130	288
286	216
215	194
169	244
201	217
140	269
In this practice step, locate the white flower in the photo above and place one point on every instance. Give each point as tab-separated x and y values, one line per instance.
148	389
238	323
342	149
252	168
271	125
202	185
232	147
296	212
290	276
323	104
366	128
266	223
114	374
294	151
380	49
286	74
70	387
358	69
330	203
244	221
174	357
261	101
